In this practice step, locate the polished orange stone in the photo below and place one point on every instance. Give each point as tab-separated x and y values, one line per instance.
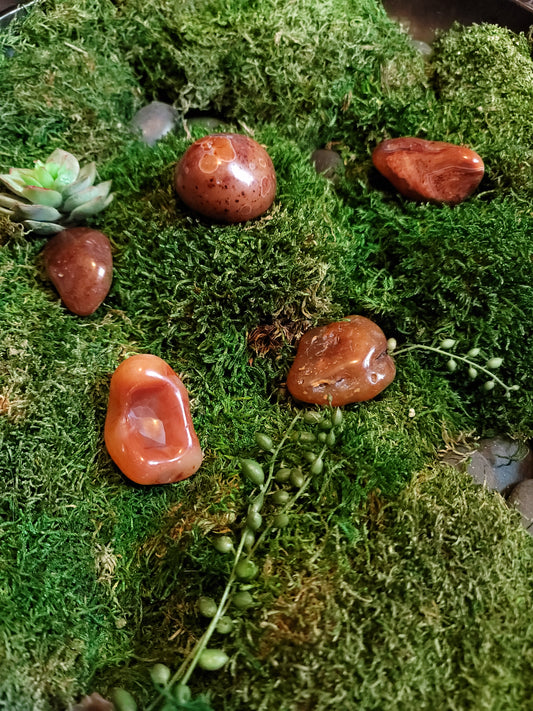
148	431
432	171
79	263
343	362
227	177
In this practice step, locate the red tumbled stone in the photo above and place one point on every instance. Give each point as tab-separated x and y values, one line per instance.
148	431
343	362
227	177
429	170
79	263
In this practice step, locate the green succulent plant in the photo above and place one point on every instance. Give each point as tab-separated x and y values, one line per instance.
55	194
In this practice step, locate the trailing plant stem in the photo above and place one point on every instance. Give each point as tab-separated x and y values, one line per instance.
285	508
189	664
473	364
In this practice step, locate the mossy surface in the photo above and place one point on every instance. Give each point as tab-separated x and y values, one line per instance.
394	572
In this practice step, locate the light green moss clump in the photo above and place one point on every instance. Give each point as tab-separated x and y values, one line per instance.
483	76
316	70
64	84
398	619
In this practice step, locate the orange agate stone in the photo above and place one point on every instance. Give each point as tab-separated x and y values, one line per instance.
227	177
435	171
149	432
343	362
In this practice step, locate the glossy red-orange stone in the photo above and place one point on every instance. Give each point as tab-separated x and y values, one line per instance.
343	362
148	431
79	263
227	177
432	171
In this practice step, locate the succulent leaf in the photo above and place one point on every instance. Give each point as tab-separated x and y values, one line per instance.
53	194
23	211
43	228
84	180
7	201
87	195
43	176
25	176
42	196
12	183
63	166
90	208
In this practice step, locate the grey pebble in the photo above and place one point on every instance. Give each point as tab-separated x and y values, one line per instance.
154	121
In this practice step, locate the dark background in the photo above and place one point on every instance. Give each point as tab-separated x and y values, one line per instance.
423	17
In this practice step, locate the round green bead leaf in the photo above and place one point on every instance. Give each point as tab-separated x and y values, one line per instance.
207	606
242	600
253	471
246	570
212	659
263	441
123	700
160	674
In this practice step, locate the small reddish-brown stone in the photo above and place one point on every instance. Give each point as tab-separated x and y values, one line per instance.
432	171
148	431
343	362
79	263
227	177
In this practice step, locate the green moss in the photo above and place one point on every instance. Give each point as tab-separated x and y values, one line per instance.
397	621
64	75
480	294
483	77
319	70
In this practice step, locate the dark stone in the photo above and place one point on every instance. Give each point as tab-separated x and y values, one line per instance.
327	162
154	121
521	499
94	702
209	124
498	463
14	11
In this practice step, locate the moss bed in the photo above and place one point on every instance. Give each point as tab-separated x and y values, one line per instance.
398	584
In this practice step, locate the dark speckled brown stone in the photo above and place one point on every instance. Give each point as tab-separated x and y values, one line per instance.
432	171
227	177
79	262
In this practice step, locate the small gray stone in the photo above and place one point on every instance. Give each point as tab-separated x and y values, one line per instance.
521	499
211	124
154	121
511	461
327	162
425	49
498	463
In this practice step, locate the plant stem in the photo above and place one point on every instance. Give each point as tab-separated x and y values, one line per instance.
449	354
186	669
285	508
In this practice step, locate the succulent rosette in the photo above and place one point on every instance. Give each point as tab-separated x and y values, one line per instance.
55	194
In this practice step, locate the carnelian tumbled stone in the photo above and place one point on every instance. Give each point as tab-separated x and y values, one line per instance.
343	362
227	177
148	431
79	263
429	170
